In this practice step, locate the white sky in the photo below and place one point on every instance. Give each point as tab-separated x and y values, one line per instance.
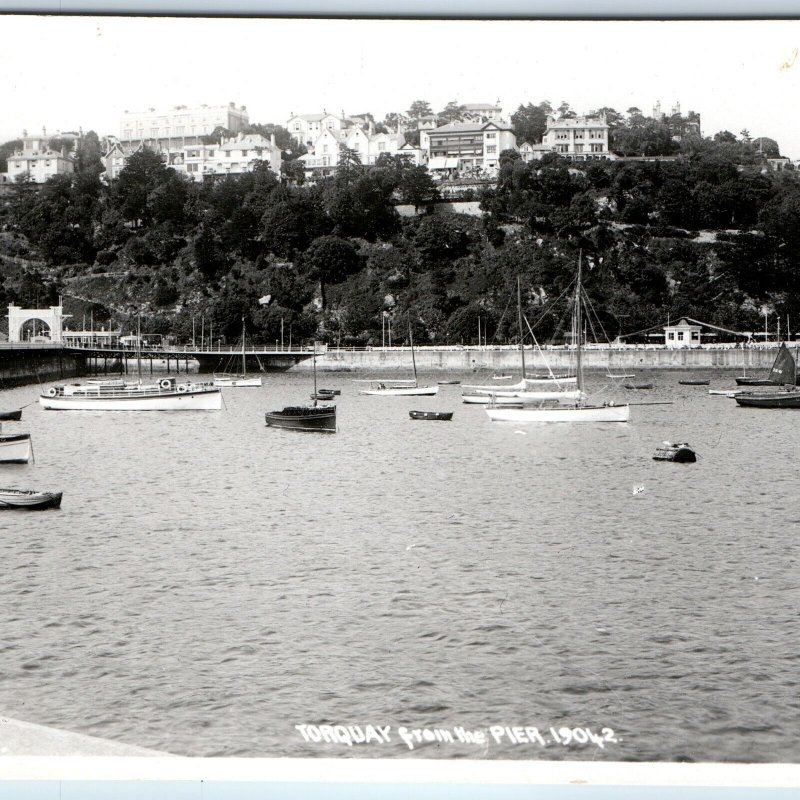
66	73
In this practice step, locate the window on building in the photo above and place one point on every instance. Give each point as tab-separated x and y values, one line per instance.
492	148
680	336
127	133
244	153
381	146
297	126
211	154
578	148
324	148
179	130
154	133
491	135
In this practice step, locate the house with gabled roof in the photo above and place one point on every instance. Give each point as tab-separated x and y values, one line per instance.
233	156
305	129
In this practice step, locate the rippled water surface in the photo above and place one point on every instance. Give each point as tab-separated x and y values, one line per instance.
210	583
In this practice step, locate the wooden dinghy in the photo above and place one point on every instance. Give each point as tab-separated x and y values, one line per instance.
29	499
638	385
694	383
440	415
10	415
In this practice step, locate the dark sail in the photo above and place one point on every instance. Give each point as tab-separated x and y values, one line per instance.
783	370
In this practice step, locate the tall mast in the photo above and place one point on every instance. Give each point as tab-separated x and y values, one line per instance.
244	359
579	326
139	347
314	365
411	340
519	320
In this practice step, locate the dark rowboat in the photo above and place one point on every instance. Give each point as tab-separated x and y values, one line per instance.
638	385
303	418
448	383
694	383
330	391
788	399
29	499
441	415
10	415
322	394
745	381
679	453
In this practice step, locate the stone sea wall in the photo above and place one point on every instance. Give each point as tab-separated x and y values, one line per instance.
508	359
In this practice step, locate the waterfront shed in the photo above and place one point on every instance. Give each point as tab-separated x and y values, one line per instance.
682	334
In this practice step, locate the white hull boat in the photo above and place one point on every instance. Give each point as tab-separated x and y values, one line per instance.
15	448
502	398
167	395
605	413
524	385
725	392
388	390
236	381
580	411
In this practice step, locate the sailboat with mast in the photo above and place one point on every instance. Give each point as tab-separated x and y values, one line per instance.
119	395
238	379
319	417
783	373
528	389
580	410
399	388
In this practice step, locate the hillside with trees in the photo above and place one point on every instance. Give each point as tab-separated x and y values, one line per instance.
712	234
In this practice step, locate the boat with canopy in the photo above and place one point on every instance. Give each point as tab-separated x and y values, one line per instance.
783	372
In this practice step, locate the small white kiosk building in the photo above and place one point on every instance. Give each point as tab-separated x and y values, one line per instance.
682	334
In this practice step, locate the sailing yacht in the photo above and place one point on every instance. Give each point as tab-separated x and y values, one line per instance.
580	411
783	372
527	390
402	388
314	417
238	379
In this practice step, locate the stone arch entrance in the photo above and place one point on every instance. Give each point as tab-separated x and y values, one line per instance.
52	318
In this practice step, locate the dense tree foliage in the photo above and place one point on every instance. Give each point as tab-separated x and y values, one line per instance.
710	233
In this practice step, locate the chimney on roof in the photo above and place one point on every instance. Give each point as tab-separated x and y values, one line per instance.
371	127
272	139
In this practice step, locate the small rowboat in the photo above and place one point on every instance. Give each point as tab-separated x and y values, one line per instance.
29	499
440	415
332	392
679	453
322	394
448	383
638	385
10	415
15	448
694	383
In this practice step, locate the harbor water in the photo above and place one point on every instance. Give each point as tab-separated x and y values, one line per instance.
210	586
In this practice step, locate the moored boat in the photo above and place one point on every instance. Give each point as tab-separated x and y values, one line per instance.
779	399
638	385
166	395
304	418
679	453
784	371
29	499
10	415
237	380
579	411
694	383
15	448
309	417
436	415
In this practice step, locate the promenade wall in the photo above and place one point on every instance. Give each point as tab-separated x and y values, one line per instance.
31	364
508	359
